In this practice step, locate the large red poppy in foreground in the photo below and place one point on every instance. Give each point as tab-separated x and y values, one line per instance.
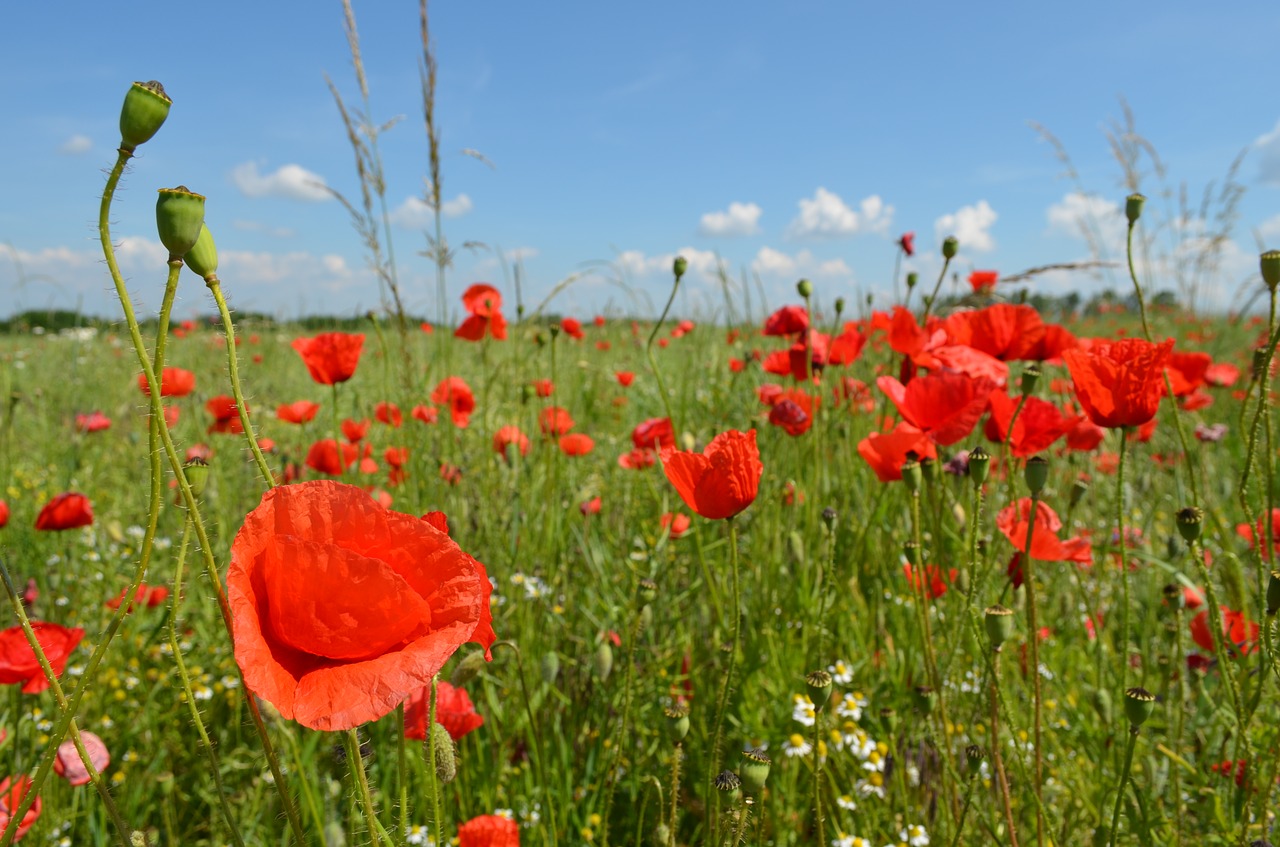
342	609
1119	384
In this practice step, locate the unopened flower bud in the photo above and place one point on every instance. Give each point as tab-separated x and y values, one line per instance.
818	684
602	661
1078	489
446	760
550	667
1190	520
979	464
754	771
1133	207
197	473
203	256
679	266
468	669
949	247
804	288
999	624
179	216
145	108
912	279
1139	703
839	306
1273	593
646	591
1036	474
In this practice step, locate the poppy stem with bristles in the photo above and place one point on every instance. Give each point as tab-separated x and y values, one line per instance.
1029	580
653	363
233	371
723	700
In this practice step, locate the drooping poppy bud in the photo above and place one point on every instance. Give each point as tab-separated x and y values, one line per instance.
203	256
446	761
1133	207
468	669
179	216
1139	703
145	108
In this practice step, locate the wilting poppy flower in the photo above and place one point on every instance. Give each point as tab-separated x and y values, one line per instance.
489	831
930	577
450	473
1119	384
543	387
638	459
1211	433
13	791
93	422
507	436
454	711
18	663
573	328
625	378
1196	400
907	243
69	765
226	417
485	305
576	444
720	481
1005	331
151	595
554	420
341	609
388	413
789	320
323	457
1268	539
1039	424
885	452
1045	544
174	382
983	282
674	523
456	394
946	406
426	414
654	433
69	510
331	357
354	431
1240	635
297	412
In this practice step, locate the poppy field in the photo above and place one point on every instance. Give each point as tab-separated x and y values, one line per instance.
941	571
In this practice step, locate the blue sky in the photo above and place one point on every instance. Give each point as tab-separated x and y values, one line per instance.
787	140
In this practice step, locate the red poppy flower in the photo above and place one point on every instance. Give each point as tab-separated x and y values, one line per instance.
737	366
69	510
354	431
174	382
454	711
151	595
674	523
576	444
13	791
1003	330
654	433
959	358
789	320
983	282
323	457
720	481
4	514
489	831
1045	544
793	411
18	663
638	459
388	413
330	357
946	406
572	328
907	243
456	394
1119	384
226	418
625	378
484	302
450	473
1240	634
590	507
507	436
1085	435
1221	374
554	420
297	412
885	452
69	765
341	609
1039	424
543	387
1187	371
931	577
846	347
1268	539
426	414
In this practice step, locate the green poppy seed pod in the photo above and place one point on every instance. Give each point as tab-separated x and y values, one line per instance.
661	835
1273	593
468	669
731	784
446	759
912	476
145	108
602	661
753	771
1269	264
527	393
677	722
979	465
912	279
1139	703
203	256
949	247
839	306
1078	489
1133	207
804	288
554	329
179	216
973	756
1030	376
646	591
911	552
550	667
829	518
1036	474
679	266
929	469
1258	363
1190	521
197	473
818	684
922	699
999	624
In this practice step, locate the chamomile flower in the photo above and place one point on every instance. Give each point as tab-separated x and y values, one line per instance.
851	705
841	672
850	841
797	745
873	785
915	835
802	710
846	802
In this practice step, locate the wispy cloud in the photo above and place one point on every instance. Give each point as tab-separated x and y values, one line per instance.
738	219
291	181
415	213
76	145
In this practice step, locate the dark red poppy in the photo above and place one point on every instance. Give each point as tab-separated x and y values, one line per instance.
946	406
489	831
388	413
576	444
983	282
508	436
69	765
484	302
590	507
18	663
1039	424
13	791
655	433
323	457
1013	523
789	320
174	382
885	452
793	411
573	328
454	711
554	421
720	481
1239	633
331	357
69	510
674	523
456	394
297	412
1119	384
341	609
907	243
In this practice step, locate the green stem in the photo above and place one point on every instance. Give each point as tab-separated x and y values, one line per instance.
675	793
539	761
817	776
437	813
365	796
928	304
611	778
964	810
1030	581
1124	777
1124	567
653	363
233	370
723	700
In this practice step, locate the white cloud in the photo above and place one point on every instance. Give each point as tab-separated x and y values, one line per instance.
826	215
1269	230
76	145
266	229
636	263
1268	156
774	264
416	213
970	225
739	219
1077	212
292	181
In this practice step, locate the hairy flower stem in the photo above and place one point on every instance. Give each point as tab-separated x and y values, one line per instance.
1029	580
996	757
1179	710
1225	670
1124	567
356	762
233	370
817	776
535	733
723	701
675	793
433	779
1124	777
964	810
611	778
933	298
653	363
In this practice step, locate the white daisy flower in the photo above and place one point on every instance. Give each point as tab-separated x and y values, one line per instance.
797	745
841	672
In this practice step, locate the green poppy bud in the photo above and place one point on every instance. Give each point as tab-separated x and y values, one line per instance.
912	476
1270	266
1030	376
661	835
804	288
839	306
979	465
145	108
179	216
550	667
446	760
1273	593
912	279
753	771
602	661
1139	703
1133	207
203	256
1078	489
679	266
197	473
1190	520
1036	474
999	624
819	685
468	669
949	247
